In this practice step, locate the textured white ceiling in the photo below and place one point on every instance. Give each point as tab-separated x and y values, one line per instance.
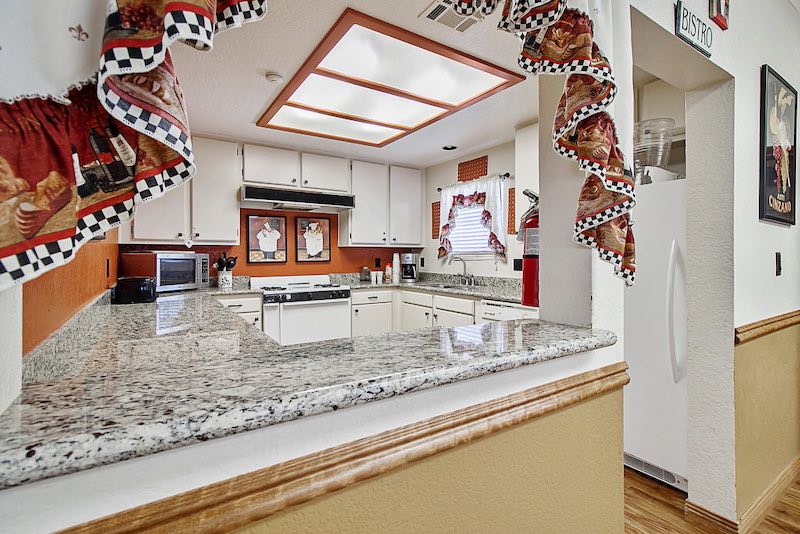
226	91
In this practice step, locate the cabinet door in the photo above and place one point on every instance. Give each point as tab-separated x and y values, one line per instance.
215	204
372	319
414	317
448	318
325	172
273	166
369	220
165	218
405	206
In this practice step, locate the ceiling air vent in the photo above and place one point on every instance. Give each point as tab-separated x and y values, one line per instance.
442	12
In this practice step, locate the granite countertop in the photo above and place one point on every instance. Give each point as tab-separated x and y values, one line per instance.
119	382
483	292
491	288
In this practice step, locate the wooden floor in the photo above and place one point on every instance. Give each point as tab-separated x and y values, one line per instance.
654	508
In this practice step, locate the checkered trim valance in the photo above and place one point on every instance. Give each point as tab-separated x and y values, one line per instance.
556	39
73	169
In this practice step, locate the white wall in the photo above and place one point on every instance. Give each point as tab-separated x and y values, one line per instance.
501	160
10	345
768	32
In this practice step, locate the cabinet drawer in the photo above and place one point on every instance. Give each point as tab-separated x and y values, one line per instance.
241	304
254	318
420	299
454	304
370	297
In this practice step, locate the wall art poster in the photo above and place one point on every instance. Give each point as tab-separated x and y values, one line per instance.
266	239
313	239
778	158
719	11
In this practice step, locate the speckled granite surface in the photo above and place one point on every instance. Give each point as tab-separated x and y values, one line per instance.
490	287
126	381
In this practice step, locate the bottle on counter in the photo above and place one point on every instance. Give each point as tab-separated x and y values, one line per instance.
388	273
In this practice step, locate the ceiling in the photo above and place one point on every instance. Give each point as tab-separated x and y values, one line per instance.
226	91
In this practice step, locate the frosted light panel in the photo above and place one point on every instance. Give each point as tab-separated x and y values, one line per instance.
312	122
373	56
334	95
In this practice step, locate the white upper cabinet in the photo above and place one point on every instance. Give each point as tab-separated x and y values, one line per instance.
405	206
370	217
325	172
273	166
204	210
164	219
215	203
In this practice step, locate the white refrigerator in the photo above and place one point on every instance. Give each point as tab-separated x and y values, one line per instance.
656	416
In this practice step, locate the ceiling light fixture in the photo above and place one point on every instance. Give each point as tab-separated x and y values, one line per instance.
371	83
274	77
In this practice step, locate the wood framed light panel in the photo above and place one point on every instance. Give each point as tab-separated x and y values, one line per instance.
371	83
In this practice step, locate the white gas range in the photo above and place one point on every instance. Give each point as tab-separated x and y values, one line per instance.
304	309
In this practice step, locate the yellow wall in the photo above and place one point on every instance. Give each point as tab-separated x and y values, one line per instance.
556	474
767	396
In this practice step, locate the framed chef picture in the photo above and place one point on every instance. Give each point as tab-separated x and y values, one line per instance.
778	157
313	239
266	239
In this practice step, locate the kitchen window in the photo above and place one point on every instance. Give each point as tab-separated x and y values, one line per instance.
475	216
469	235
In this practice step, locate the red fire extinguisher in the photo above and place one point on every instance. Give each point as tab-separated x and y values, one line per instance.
530	259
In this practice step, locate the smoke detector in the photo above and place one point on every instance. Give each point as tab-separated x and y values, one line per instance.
274	77
442	12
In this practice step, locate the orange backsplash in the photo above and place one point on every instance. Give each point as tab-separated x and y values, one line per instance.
343	260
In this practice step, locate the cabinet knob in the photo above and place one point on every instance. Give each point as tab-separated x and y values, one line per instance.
356	310
427	314
384	239
305	181
394	239
294	180
197	234
180	234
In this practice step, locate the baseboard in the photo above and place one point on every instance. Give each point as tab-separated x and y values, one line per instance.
709	521
761	507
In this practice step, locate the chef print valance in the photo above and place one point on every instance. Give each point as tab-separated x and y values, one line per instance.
76	162
557	38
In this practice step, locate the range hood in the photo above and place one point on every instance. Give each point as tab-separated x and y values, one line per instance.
271	198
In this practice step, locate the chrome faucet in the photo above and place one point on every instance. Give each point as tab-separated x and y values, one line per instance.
463	279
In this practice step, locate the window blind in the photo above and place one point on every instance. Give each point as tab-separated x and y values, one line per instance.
470	236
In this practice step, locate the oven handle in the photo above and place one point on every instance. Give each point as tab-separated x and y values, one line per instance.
326	301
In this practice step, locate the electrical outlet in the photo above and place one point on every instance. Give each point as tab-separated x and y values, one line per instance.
517	264
377	262
422	261
778	264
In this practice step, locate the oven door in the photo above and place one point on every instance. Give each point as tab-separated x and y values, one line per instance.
176	272
315	320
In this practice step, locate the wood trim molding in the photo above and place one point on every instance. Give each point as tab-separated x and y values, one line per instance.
764	327
757	511
244	499
351	17
709	521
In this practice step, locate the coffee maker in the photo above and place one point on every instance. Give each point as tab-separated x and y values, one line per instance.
409	269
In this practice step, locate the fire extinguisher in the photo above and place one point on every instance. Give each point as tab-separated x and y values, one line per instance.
530	258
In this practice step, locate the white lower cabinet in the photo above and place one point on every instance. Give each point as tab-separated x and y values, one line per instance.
248	307
371	319
448	318
415	316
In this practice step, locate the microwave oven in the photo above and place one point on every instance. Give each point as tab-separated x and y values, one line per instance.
172	271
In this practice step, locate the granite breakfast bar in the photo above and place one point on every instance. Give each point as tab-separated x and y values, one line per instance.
126	382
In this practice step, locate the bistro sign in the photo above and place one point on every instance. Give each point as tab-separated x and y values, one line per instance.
693	29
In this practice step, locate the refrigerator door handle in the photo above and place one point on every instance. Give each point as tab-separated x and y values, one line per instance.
673	357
